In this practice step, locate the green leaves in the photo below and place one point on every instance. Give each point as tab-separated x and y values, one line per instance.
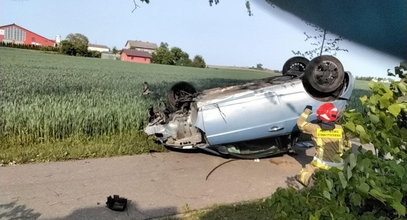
361	132
364	187
384	124
401	210
352	161
326	195
394	109
350	126
342	179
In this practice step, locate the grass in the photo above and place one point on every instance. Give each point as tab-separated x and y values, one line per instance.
56	107
257	209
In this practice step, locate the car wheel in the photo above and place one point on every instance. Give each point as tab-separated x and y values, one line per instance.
295	66
324	74
179	94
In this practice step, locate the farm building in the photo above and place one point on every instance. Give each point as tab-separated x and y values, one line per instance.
141	46
110	56
98	47
13	33
135	56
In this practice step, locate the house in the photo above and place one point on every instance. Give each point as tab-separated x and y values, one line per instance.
15	34
98	47
141	46
135	56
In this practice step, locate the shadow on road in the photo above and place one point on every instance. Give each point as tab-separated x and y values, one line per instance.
101	212
301	156
13	210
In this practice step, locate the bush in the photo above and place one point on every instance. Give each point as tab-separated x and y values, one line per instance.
29	47
372	185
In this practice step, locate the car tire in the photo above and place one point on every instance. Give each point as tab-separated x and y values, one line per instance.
324	74
177	92
295	66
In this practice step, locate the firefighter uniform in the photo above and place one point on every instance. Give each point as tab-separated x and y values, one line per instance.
329	146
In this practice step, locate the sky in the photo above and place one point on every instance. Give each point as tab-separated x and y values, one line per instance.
223	34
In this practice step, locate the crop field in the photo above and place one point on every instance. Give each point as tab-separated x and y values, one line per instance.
55	107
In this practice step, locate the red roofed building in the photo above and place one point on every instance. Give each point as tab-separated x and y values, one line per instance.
135	56
13	33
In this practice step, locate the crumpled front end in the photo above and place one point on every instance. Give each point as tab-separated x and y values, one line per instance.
177	130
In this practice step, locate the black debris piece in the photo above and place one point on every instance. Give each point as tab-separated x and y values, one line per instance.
116	203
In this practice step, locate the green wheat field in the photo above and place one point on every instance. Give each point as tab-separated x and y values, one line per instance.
56	107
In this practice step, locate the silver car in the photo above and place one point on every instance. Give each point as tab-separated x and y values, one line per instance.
251	120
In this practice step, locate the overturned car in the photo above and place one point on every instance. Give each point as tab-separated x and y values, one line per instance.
251	120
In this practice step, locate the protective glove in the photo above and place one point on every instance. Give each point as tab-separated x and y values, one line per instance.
308	107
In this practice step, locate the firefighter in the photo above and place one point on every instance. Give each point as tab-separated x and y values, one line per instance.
328	138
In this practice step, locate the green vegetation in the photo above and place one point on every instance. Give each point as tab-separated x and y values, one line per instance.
175	56
77	45
29	47
55	107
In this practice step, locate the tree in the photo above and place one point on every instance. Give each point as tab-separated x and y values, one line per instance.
163	55
180	58
75	45
323	41
175	56
114	50
198	61
67	48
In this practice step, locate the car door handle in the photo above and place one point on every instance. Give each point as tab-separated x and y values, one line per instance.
275	128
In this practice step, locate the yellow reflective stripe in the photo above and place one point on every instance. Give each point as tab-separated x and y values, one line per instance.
320	165
335	133
303	124
320	142
305	115
325	165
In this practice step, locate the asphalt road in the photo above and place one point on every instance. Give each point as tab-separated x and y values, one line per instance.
156	185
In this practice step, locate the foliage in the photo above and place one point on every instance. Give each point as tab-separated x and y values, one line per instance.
115	50
198	61
176	56
67	48
29	47
322	41
75	45
180	58
369	187
383	124
162	55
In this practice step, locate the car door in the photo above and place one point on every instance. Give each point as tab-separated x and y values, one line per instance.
249	115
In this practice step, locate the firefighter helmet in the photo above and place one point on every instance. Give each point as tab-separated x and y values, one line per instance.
327	112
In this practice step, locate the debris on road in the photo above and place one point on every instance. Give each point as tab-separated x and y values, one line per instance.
116	203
